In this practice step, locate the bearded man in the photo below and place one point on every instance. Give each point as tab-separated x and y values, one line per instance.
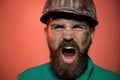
69	33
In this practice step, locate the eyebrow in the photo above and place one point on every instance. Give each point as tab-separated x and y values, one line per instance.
55	24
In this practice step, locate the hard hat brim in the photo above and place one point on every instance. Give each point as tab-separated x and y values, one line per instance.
68	14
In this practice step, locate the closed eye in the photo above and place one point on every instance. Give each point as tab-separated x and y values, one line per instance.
57	27
78	27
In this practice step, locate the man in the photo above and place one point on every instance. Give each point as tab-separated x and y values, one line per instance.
69	33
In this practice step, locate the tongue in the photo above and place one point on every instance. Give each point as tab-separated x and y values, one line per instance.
68	54
68	57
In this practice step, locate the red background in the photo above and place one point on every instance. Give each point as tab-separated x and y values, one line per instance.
23	45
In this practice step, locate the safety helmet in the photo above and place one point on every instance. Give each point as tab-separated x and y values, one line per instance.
80	9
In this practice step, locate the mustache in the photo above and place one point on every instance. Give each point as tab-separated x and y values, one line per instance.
65	43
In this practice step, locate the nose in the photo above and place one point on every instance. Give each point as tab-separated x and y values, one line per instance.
68	36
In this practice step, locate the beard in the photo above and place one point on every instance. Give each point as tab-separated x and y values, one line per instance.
73	70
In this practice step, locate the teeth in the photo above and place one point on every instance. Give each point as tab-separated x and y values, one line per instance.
69	47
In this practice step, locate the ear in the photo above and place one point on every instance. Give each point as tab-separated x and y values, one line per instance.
92	33
46	28
45	32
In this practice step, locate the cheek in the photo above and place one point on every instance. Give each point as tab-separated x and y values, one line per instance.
82	39
57	38
54	39
50	35
86	38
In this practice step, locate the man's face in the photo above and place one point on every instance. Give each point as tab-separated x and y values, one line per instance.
68	41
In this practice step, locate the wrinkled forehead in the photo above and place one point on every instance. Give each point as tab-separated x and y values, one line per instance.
65	21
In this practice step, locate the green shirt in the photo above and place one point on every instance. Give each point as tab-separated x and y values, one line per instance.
44	72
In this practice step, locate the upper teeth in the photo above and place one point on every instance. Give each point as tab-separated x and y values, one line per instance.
68	47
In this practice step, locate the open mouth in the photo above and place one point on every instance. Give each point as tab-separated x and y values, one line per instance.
68	54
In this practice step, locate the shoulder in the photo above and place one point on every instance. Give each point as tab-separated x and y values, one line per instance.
35	73
105	74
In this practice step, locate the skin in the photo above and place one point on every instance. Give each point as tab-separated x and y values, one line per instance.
68	30
59	29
